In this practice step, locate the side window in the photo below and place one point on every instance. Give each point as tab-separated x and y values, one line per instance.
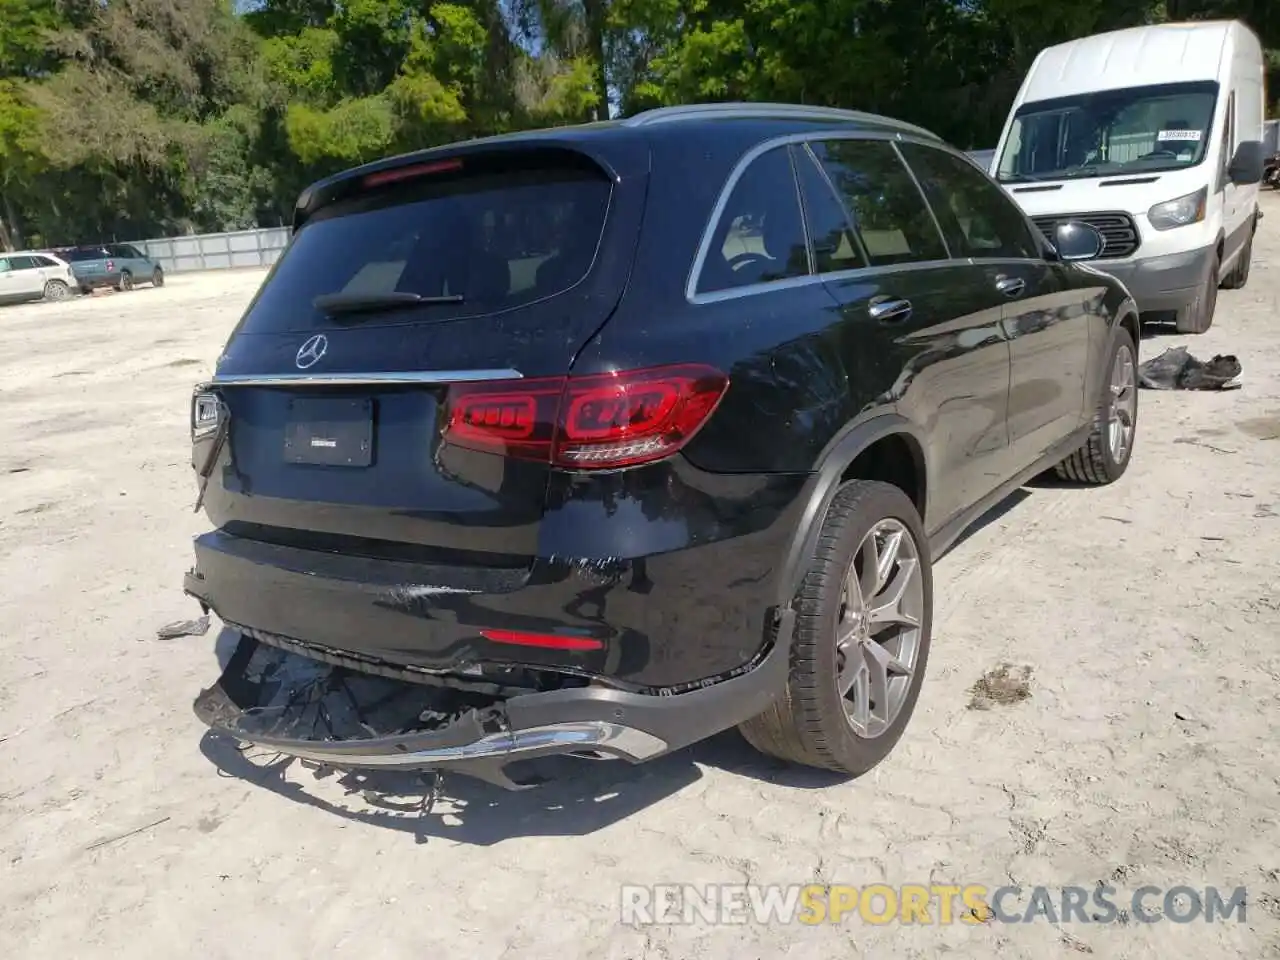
760	237
4	265
889	213
1228	141
45	262
978	218
23	263
834	245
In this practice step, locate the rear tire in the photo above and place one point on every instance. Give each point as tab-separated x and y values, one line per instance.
157	278
815	721
56	290
126	281
1103	459
1201	319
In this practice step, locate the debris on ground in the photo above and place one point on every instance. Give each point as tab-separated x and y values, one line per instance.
184	628
1001	687
1177	369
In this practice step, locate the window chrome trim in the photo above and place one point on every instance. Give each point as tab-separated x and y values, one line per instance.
420	377
838	276
708	230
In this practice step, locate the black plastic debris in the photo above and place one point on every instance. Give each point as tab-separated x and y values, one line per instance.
184	628
1177	369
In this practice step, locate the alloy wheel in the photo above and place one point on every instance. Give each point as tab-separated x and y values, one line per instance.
1124	405
878	631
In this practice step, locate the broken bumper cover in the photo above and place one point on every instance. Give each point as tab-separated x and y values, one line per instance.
596	722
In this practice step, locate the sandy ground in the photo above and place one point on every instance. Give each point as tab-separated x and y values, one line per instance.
1145	616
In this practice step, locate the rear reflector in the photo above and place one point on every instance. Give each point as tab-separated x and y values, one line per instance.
547	641
409	172
597	422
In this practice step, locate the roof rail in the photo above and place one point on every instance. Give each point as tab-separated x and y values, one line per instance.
764	111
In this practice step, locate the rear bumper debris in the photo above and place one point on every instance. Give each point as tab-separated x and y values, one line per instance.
301	707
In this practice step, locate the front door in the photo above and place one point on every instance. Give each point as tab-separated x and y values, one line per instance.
1045	321
913	316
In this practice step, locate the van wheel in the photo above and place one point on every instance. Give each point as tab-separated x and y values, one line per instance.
863	619
1200	318
1239	275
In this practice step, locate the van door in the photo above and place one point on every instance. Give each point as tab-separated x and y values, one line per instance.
1234	226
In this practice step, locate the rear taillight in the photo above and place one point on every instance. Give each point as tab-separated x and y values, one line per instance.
596	422
111	266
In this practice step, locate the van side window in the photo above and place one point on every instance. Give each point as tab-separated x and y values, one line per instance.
891	217
977	217
760	236
1228	141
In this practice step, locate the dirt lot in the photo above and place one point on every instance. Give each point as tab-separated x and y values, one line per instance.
1131	739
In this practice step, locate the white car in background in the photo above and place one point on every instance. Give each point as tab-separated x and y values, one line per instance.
35	275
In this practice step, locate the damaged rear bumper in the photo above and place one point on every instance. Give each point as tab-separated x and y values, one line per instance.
595	722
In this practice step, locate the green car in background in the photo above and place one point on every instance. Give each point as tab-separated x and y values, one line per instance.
118	265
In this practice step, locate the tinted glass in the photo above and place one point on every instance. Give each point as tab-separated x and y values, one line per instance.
979	218
760	236
23	263
81	254
46	262
499	238
1135	129
834	246
888	211
4	264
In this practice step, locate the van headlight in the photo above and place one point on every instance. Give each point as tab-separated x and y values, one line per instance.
206	414
1180	211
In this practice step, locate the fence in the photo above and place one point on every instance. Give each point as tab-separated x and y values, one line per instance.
217	251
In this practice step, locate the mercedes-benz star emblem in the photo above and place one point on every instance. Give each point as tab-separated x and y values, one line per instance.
311	351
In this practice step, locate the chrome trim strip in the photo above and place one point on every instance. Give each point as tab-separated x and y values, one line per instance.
859	273
572	737
360	379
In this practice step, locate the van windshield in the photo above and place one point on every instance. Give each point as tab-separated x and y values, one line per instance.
1133	130
491	237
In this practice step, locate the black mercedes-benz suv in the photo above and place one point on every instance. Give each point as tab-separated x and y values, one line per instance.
600	440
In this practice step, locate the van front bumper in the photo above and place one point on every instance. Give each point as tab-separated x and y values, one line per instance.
1172	283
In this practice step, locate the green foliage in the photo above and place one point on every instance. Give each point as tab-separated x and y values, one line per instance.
131	118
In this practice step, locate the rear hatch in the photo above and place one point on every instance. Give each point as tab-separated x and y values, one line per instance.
89	263
339	385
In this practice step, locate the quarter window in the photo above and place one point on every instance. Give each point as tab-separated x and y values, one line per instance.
889	213
977	217
760	236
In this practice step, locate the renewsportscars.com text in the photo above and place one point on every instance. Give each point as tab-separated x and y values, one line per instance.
926	904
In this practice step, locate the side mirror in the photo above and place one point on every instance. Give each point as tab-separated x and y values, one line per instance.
1077	241
1246	165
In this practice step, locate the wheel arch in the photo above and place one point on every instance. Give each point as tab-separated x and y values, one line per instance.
884	446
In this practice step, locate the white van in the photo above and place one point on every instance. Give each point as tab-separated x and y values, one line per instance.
1153	136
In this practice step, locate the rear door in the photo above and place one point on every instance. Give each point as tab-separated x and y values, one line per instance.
1046	320
347	425
28	277
917	312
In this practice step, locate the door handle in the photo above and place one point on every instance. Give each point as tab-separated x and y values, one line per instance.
889	309
1011	286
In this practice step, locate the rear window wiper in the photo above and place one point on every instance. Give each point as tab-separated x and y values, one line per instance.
377	302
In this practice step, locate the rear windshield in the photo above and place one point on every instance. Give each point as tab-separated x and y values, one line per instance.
82	254
499	234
